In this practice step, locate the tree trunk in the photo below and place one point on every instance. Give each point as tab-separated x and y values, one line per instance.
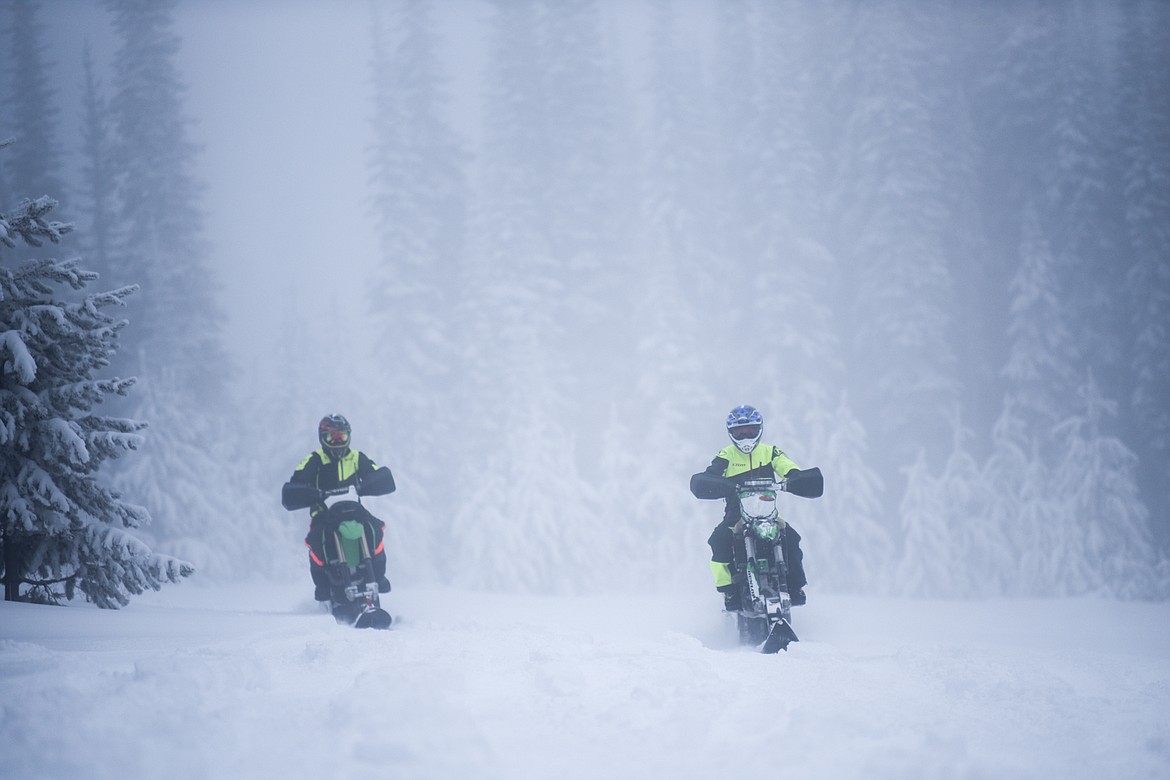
13	573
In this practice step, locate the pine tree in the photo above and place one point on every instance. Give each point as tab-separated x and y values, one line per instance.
98	182
584	106
1144	107
1042	357
158	206
847	546
1014	479
418	178
525	488
740	128
34	164
665	416
930	560
1105	546
507	309
680	187
1042	360
786	192
178	354
1082	214
889	220
61	524
591	209
949	549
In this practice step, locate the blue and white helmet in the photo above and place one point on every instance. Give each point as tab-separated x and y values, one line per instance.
745	426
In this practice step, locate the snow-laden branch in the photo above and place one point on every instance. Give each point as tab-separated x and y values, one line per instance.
16	357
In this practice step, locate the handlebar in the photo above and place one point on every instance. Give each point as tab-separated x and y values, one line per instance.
766	484
806	483
301	495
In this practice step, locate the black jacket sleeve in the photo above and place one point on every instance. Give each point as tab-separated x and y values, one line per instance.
710	482
366	466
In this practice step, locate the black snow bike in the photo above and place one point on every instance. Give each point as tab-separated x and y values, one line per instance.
348	538
759	570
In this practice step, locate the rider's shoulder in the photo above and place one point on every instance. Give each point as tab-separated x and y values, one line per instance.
732	454
729	453
314	455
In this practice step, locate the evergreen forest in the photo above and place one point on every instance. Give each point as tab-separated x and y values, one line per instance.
930	241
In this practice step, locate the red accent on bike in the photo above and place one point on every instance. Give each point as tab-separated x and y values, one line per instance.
313	555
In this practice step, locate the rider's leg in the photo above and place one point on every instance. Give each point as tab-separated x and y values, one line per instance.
313	540
721	542
320	578
378	552
794	558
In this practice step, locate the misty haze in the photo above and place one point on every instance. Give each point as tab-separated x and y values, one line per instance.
535	251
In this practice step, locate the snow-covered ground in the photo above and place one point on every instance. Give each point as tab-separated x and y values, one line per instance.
197	682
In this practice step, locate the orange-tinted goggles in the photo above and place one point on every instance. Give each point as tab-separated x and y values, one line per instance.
335	438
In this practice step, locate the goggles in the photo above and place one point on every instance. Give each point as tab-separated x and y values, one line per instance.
335	438
744	432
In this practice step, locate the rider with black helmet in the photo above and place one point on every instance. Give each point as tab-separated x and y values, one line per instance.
333	466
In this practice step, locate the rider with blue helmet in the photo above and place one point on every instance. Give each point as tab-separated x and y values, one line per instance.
747	458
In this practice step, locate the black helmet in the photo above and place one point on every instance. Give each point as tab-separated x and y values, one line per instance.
333	432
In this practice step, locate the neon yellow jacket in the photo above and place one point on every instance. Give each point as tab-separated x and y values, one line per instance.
763	461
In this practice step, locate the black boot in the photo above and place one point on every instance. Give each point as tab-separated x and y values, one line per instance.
321	589
380	572
798	598
732	602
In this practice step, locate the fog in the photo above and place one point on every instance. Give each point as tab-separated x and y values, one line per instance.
535	251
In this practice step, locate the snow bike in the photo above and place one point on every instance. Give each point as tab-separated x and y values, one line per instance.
759	571
348	529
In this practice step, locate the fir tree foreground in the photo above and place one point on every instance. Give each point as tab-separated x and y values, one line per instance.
61	528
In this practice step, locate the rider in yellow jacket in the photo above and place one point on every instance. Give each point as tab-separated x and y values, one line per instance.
747	458
333	466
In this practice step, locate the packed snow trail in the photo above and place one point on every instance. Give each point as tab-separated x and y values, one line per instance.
180	685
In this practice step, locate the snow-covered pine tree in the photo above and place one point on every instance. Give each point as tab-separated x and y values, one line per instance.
666	418
587	111
890	241
506	309
847	547
285	423
1144	127
620	476
741	128
931	559
785	190
950	550
177	352
418	177
60	524
1105	546
592	210
1083	214
1014	479
979	307
522	497
1042	357
158	209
